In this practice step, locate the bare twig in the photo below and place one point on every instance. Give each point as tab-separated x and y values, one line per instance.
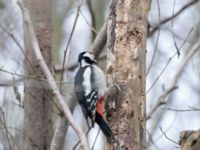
160	74
35	46
97	45
151	140
76	145
168	137
69	40
172	17
154	54
186	38
173	35
99	41
78	142
156	45
13	38
169	60
96	139
167	129
23	76
89	3
18	44
88	23
192	107
6	129
20	75
182	110
20	131
162	98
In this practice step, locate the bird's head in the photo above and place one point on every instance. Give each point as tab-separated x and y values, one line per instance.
86	58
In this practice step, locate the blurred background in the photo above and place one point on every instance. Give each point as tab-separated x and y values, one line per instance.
174	28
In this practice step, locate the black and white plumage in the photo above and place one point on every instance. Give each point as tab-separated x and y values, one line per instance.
90	88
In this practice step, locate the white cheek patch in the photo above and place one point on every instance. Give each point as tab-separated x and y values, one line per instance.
83	63
86	81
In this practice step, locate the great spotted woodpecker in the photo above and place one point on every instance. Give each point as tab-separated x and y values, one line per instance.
90	88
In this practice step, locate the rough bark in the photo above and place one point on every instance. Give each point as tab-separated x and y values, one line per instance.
190	140
127	31
38	125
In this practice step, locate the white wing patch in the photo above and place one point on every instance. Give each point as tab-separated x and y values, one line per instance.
86	81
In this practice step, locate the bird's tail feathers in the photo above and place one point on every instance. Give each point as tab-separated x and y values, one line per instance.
103	126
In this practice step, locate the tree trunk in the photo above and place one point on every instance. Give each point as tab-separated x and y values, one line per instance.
38	107
127	31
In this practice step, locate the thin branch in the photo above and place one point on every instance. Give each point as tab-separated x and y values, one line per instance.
6	129
20	131
97	46
167	129
182	110
78	142
169	60
173	35
100	41
154	54
192	107
50	98
156	45
161	101
95	139
89	3
168	137
172	17
186	38
87	22
35	46
18	45
13	38
152	141
69	40
23	76
160	74
162	98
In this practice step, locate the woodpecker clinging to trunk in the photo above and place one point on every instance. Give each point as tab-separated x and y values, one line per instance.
90	88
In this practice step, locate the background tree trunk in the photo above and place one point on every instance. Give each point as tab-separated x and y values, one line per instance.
127	31
38	107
